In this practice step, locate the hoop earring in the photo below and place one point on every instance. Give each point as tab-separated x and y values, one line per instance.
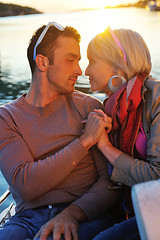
111	87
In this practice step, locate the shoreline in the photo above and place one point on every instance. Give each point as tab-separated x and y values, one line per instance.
8	10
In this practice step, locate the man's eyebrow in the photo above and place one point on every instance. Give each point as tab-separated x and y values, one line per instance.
73	55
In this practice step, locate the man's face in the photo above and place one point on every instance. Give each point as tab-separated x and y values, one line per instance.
63	73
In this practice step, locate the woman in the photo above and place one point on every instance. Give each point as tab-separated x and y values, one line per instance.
120	64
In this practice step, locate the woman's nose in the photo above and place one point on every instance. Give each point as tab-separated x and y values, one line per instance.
86	71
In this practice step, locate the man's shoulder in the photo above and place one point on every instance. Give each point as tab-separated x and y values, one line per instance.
80	95
84	98
4	107
8	107
85	103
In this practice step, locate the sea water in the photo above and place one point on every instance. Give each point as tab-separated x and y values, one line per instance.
15	33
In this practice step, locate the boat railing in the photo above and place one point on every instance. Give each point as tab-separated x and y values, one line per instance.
6	214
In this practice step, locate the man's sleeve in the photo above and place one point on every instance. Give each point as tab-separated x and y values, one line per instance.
100	196
30	179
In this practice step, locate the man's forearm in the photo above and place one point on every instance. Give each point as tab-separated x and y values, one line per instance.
76	212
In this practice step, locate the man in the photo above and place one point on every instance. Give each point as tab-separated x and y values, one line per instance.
45	152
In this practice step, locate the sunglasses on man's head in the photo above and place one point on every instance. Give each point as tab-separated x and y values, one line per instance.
56	25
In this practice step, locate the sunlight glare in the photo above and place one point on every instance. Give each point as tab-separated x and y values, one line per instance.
107	3
103	3
102	19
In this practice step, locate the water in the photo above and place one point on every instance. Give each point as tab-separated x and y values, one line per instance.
15	33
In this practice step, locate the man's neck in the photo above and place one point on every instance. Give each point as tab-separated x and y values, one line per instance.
38	100
39	95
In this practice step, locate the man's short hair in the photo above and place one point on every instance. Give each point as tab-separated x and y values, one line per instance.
48	43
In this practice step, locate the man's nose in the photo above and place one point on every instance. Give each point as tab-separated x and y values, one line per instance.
79	70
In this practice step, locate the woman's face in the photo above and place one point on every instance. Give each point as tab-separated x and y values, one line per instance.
99	73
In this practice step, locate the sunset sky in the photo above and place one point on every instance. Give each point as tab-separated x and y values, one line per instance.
63	5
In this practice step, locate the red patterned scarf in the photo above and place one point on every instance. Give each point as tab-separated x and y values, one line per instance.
126	112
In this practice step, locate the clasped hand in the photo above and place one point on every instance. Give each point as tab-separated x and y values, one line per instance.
97	124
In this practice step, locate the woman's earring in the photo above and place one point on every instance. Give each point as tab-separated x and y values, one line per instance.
113	88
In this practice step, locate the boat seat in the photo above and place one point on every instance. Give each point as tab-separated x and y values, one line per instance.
146	203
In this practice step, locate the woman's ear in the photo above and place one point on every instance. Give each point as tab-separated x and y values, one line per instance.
120	73
42	62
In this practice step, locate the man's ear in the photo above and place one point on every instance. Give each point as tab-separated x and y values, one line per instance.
42	62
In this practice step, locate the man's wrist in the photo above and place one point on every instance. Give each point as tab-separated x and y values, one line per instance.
85	142
77	213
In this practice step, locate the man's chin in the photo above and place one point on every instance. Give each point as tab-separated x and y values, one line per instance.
69	91
72	90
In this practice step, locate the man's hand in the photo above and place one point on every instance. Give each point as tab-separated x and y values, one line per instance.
65	223
106	118
96	122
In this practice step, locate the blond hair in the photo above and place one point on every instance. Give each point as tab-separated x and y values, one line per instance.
138	59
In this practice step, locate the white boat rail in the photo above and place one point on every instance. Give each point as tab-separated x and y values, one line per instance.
6	214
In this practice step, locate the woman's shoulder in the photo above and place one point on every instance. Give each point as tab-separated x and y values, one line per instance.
152	97
152	88
152	84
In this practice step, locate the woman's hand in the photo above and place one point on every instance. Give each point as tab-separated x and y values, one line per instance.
96	122
104	140
106	118
104	145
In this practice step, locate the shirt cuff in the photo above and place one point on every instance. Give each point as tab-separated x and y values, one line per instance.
121	168
77	149
86	207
